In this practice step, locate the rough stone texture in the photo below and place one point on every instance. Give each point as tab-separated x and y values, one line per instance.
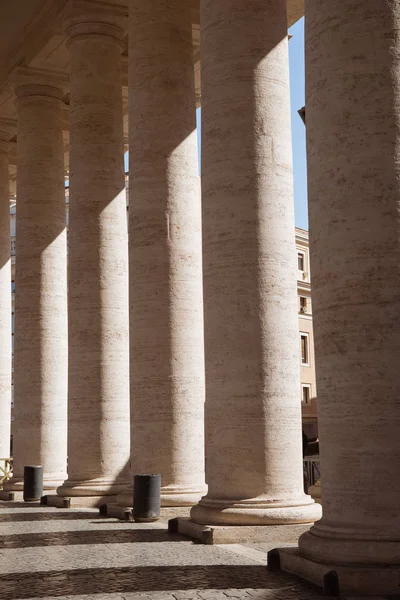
167	350
40	334
75	555
241	534
253	412
350	579
353	104
78	501
98	439
5	298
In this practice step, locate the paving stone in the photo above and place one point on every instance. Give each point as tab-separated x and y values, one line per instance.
212	595
186	595
135	596
58	554
162	596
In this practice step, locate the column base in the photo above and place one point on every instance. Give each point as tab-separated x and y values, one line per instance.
316	492
336	579
17	496
116	511
7	496
76	501
240	534
253	512
326	543
172	496
90	488
17	484
125	499
124	513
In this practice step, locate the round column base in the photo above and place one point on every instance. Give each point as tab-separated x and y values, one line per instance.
16	484
325	543
170	496
315	491
91	487
181	496
255	512
125	498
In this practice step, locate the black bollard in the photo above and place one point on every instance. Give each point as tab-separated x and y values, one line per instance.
146	498
33	483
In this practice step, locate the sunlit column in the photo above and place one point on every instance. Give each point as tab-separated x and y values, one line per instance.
353	115
98	398
166	310
40	338
253	407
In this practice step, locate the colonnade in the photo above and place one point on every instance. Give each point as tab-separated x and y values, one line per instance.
244	359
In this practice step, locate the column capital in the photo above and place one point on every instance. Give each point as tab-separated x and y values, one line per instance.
28	81
88	18
86	28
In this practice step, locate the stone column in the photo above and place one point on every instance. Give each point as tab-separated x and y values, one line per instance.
6	130
253	406
98	399
40	335
166	312
353	115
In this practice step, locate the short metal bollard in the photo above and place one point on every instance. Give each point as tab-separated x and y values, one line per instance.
33	483
146	498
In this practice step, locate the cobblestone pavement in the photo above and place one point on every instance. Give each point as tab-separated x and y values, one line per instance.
56	554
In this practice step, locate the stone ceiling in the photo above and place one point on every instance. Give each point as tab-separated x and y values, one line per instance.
31	34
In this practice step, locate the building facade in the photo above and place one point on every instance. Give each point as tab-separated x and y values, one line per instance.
307	356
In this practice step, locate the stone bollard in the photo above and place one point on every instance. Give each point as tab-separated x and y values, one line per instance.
146	498
33	483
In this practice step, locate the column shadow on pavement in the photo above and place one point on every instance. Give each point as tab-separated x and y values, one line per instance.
46	516
150	579
105	536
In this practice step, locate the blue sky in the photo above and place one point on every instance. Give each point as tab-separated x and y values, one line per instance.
296	58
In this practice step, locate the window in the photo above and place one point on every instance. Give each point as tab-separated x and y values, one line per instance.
303	304
300	261
304	348
306	393
12	287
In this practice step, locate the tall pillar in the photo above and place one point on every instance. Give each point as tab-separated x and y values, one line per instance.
353	116
253	407
98	397
6	130
166	312
40	336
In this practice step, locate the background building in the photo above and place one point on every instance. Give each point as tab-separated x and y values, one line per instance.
307	370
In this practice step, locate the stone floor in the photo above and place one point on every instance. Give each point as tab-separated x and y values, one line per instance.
56	554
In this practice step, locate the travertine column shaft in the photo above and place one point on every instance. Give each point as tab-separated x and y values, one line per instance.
98	399
353	141
253	409
5	299
166	316
40	335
